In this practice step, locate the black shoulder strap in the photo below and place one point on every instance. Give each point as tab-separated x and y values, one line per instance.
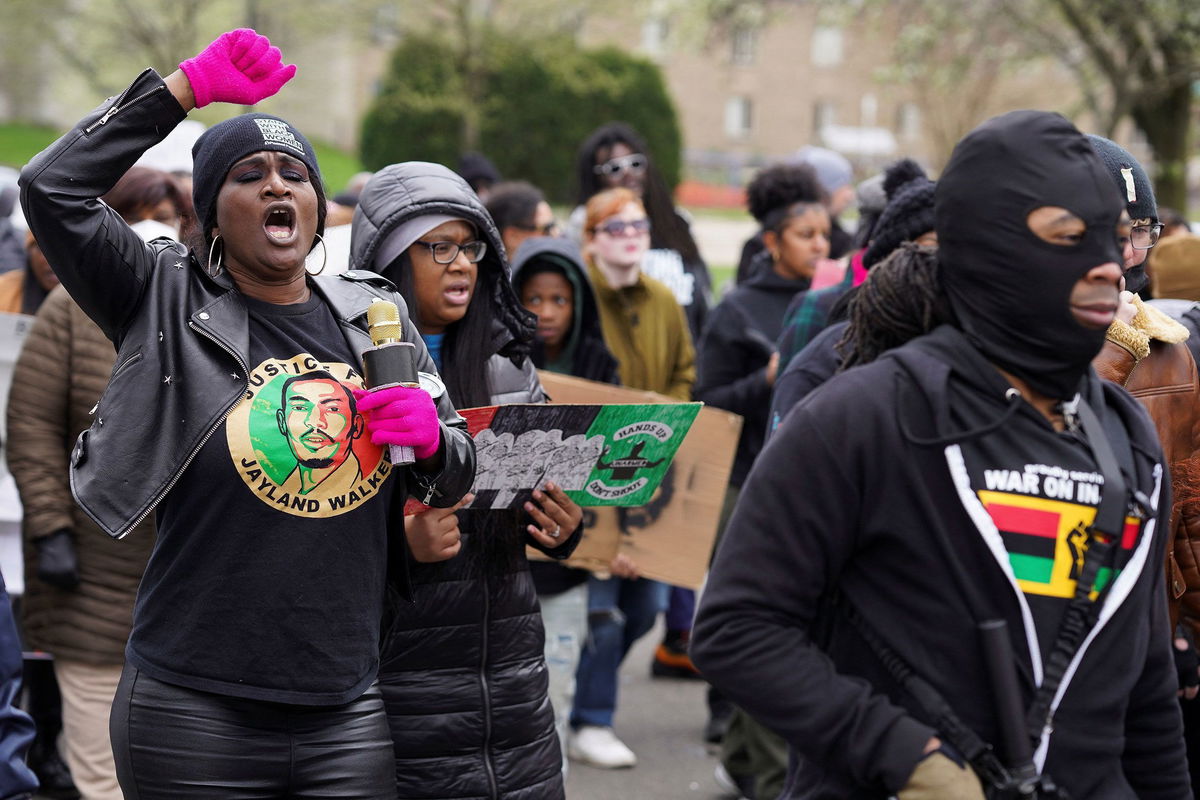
949	727
1104	536
1110	516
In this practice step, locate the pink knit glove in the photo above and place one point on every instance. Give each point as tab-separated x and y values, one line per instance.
402	415
240	66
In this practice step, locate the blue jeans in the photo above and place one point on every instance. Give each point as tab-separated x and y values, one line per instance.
620	611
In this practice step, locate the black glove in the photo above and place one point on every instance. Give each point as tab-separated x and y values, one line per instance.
56	561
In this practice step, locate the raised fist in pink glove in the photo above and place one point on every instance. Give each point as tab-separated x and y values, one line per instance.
402	415
240	66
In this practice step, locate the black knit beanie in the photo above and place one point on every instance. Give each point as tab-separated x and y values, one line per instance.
1129	176
226	143
909	211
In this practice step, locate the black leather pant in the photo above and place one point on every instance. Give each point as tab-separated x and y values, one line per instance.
175	743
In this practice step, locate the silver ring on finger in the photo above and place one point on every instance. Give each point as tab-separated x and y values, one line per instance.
554	534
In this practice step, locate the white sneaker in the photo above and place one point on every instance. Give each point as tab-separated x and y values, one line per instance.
599	747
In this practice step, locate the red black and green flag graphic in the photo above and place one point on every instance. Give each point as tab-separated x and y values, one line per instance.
1047	539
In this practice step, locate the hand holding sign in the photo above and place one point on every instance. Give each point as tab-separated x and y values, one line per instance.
558	516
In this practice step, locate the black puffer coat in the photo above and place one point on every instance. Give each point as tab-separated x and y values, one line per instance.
465	685
462	669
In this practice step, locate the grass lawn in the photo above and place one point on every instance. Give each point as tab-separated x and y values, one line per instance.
722	277
337	167
19	143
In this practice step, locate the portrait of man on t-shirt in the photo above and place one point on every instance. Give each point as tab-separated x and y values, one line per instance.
319	418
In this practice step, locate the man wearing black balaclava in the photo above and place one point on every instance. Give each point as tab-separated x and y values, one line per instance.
979	472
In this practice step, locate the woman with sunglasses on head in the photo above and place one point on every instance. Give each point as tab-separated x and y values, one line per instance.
462	669
614	155
645	329
251	667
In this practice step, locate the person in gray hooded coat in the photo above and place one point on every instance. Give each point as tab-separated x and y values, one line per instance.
462	672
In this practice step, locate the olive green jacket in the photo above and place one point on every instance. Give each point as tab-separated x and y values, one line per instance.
645	329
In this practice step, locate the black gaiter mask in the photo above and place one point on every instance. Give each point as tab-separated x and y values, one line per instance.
1009	289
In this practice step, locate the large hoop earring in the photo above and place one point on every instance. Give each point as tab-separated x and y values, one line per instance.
212	273
324	257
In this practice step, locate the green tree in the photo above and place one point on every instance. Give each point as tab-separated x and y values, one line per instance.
1137	60
535	102
418	114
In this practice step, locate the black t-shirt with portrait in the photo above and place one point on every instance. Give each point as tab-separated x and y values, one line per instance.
267	578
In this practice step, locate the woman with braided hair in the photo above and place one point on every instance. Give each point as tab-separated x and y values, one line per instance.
900	301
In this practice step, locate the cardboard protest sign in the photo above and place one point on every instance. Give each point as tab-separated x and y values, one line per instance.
670	536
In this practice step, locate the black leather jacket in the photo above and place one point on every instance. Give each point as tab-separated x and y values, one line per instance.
182	337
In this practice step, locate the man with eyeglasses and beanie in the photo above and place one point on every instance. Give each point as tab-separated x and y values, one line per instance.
1146	352
961	576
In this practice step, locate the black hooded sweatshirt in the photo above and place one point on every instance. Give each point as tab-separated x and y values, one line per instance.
732	357
845	498
585	348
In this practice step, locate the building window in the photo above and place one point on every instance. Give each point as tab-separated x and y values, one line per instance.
824	115
868	111
654	36
826	46
745	42
908	122
738	119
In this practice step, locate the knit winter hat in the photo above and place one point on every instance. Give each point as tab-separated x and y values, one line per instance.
909	212
226	143
1129	176
1175	268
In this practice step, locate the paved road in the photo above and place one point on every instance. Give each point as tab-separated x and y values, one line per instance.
662	720
720	238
